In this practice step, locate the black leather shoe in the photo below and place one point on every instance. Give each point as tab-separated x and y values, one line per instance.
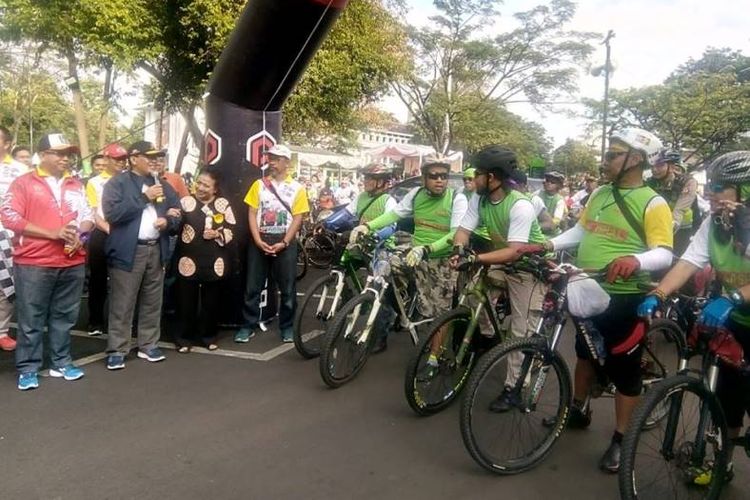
610	461
579	419
507	400
381	344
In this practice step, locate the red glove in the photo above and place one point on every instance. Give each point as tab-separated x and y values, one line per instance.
530	248
622	267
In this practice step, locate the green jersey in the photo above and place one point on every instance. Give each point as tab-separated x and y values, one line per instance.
367	209
732	270
497	219
432	219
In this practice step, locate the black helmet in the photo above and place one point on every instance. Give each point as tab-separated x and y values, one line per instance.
519	177
376	170
496	159
434	161
555	176
730	168
669	156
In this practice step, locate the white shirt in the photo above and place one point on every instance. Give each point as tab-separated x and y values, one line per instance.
522	217
147	231
538	205
405	208
697	252
345	195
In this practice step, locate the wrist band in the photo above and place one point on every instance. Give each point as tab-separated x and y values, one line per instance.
660	294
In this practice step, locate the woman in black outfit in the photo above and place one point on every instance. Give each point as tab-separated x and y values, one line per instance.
202	262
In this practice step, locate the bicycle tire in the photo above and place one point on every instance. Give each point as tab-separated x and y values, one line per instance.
418	402
301	261
635	433
336	344
471	403
321	250
663	335
308	344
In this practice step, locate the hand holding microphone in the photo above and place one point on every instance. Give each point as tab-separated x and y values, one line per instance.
157	183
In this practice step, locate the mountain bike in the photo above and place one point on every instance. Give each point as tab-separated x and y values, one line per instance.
325	296
455	339
667	460
351	335
517	440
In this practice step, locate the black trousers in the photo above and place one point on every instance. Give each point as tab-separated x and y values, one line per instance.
97	278
197	311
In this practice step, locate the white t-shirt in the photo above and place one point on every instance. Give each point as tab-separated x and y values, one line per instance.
521	218
405	207
697	252
147	231
538	205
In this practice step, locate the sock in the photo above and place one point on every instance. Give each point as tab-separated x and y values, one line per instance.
617	437
432	360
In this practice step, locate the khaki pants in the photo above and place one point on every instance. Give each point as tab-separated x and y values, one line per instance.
6	312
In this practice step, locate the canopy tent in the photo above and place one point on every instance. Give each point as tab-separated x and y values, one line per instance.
412	156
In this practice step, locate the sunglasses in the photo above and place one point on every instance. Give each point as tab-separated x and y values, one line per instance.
611	155
437	176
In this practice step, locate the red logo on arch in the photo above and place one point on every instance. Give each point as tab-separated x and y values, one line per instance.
211	148
257	145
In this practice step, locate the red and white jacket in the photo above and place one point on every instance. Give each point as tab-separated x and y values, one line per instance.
30	200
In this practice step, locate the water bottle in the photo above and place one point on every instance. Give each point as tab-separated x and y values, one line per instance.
68	248
594	341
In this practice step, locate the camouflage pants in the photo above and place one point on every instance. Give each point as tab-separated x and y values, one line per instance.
435	282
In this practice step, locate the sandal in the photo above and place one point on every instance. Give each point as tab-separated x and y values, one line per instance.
183	349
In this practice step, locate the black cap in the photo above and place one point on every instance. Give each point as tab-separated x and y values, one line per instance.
56	142
142	148
496	158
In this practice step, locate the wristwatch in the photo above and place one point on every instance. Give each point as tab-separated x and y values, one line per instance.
736	297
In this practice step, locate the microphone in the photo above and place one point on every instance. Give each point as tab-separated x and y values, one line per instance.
157	182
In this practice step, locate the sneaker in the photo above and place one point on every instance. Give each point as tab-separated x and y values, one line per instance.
610	461
507	400
69	372
287	335
244	335
380	345
579	419
153	355
7	343
115	362
28	381
95	331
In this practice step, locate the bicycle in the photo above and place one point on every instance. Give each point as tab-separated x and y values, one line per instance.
301	261
350	337
691	441
431	388
327	295
320	245
543	389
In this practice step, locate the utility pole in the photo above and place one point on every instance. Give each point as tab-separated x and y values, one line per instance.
607	69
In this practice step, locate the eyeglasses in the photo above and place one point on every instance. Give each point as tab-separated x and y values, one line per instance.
437	176
611	155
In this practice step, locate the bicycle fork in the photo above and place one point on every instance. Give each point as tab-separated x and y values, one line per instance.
339	289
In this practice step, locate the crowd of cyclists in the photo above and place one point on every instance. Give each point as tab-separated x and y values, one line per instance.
627	229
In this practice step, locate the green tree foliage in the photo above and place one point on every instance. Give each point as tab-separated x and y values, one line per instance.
704	105
574	157
460	73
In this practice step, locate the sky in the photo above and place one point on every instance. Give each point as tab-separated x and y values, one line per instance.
652	38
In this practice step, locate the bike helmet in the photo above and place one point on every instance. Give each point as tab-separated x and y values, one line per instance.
469	173
115	151
376	170
730	168
434	161
669	156
519	177
640	140
496	159
556	176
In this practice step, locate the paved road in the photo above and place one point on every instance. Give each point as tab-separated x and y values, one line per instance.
256	421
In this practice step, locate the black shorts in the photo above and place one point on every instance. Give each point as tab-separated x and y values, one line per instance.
616	324
733	386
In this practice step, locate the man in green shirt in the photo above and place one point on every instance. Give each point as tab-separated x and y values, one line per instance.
511	222
625	229
553	200
437	211
722	241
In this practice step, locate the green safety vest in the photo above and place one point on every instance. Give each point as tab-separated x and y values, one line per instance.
550	203
375	209
432	219
496	217
732	270
608	235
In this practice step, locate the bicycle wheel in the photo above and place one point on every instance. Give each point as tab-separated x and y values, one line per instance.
301	261
515	440
320	250
315	313
428	388
663	462
662	351
344	353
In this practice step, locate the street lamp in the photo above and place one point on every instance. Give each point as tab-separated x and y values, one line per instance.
607	69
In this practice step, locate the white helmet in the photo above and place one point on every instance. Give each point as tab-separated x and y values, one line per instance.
640	140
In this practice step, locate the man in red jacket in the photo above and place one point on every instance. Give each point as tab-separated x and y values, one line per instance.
47	210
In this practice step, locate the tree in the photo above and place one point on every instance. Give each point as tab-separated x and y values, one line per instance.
703	106
457	69
574	157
